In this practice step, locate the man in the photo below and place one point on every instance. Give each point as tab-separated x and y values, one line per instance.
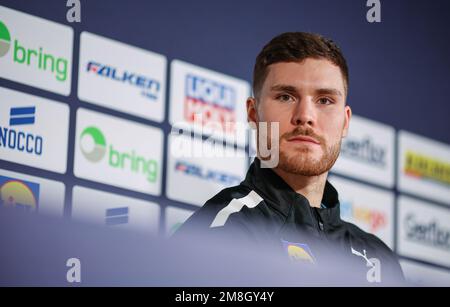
300	82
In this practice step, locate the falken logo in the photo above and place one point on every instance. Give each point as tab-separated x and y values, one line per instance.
150	88
35	58
208	101
198	171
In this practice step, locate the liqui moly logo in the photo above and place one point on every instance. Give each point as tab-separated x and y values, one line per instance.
210	103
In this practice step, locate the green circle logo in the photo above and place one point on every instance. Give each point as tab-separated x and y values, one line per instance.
5	39
93	144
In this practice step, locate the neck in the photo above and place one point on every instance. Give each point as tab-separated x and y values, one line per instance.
311	187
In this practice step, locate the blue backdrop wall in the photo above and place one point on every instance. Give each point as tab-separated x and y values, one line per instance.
398	67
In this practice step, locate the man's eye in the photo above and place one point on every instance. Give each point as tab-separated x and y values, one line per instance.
325	100
284	98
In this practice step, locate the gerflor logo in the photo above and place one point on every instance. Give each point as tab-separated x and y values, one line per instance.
427	232
365	150
36	58
94	147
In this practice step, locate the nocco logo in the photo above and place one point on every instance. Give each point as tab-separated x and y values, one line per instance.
94	147
14	138
364	150
117	216
214	102
428	233
426	168
210	175
150	88
36	58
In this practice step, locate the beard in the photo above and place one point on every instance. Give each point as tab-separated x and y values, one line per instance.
300	161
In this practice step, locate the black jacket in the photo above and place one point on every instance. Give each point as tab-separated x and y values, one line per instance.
265	210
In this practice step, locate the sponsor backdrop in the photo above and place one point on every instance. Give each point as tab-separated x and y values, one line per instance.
121	120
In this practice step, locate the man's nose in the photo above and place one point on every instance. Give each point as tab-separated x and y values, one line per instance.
304	113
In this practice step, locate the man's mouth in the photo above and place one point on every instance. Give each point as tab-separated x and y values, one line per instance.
305	139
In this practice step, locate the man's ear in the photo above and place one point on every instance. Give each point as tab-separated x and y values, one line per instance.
348	116
252	113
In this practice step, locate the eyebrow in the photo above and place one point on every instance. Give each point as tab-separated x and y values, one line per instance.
283	88
328	91
293	89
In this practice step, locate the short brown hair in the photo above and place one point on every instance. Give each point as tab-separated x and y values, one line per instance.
296	47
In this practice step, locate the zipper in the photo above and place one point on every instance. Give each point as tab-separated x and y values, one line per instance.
320	225
318	220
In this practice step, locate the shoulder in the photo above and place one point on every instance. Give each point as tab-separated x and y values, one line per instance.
376	248
226	207
369	240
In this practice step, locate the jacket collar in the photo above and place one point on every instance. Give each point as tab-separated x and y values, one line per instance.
282	197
